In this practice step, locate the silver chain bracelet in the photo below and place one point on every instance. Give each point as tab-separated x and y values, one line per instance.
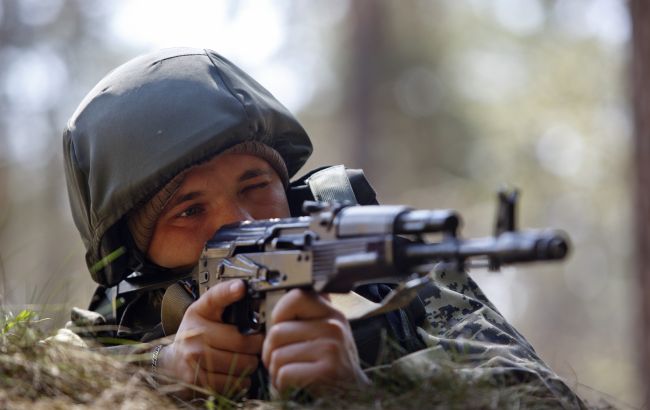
154	358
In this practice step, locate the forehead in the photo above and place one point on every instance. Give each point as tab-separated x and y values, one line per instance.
229	167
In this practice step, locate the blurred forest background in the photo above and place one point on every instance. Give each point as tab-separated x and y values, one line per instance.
441	102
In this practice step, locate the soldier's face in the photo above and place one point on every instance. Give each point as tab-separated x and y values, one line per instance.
229	188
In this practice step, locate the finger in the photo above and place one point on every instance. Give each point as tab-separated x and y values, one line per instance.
286	333
227	385
213	302
324	350
219	361
221	336
298	375
300	304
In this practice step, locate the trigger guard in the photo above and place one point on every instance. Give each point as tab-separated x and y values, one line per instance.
244	315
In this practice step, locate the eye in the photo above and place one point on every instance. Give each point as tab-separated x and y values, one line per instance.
255	186
191	211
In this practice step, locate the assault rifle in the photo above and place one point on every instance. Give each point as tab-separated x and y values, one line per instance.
339	247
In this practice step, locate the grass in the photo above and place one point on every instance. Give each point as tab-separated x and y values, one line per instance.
37	374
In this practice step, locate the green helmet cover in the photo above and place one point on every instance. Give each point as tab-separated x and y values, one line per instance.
150	119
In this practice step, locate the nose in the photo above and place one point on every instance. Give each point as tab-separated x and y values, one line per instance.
233	212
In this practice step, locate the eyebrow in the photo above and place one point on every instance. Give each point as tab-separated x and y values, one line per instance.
184	198
245	176
252	173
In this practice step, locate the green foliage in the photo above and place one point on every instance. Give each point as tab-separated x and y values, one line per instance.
19	322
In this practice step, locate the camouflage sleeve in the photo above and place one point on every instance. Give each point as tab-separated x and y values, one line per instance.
464	328
90	329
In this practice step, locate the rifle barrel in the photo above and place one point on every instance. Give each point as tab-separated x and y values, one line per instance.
508	247
425	221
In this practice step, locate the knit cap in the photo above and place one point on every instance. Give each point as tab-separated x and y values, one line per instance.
142	220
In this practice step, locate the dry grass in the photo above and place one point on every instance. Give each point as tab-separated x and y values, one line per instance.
37	375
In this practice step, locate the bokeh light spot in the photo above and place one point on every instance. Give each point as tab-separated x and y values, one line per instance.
34	79
560	150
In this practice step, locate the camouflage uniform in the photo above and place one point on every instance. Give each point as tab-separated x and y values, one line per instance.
464	327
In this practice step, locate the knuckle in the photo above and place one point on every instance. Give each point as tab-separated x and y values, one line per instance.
328	370
272	334
283	307
272	366
275	358
330	348
294	297
282	379
296	293
335	329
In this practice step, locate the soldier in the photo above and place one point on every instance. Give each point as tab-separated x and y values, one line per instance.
174	144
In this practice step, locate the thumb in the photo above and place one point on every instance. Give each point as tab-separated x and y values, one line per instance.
213	302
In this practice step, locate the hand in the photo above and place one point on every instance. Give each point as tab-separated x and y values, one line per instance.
209	353
310	345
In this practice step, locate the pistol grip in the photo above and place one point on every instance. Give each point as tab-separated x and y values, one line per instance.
244	315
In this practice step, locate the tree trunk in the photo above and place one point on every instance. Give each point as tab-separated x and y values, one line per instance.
365	74
640	70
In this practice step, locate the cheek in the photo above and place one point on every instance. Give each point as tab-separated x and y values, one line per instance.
173	248
274	207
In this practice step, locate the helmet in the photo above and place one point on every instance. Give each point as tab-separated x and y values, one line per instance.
147	121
